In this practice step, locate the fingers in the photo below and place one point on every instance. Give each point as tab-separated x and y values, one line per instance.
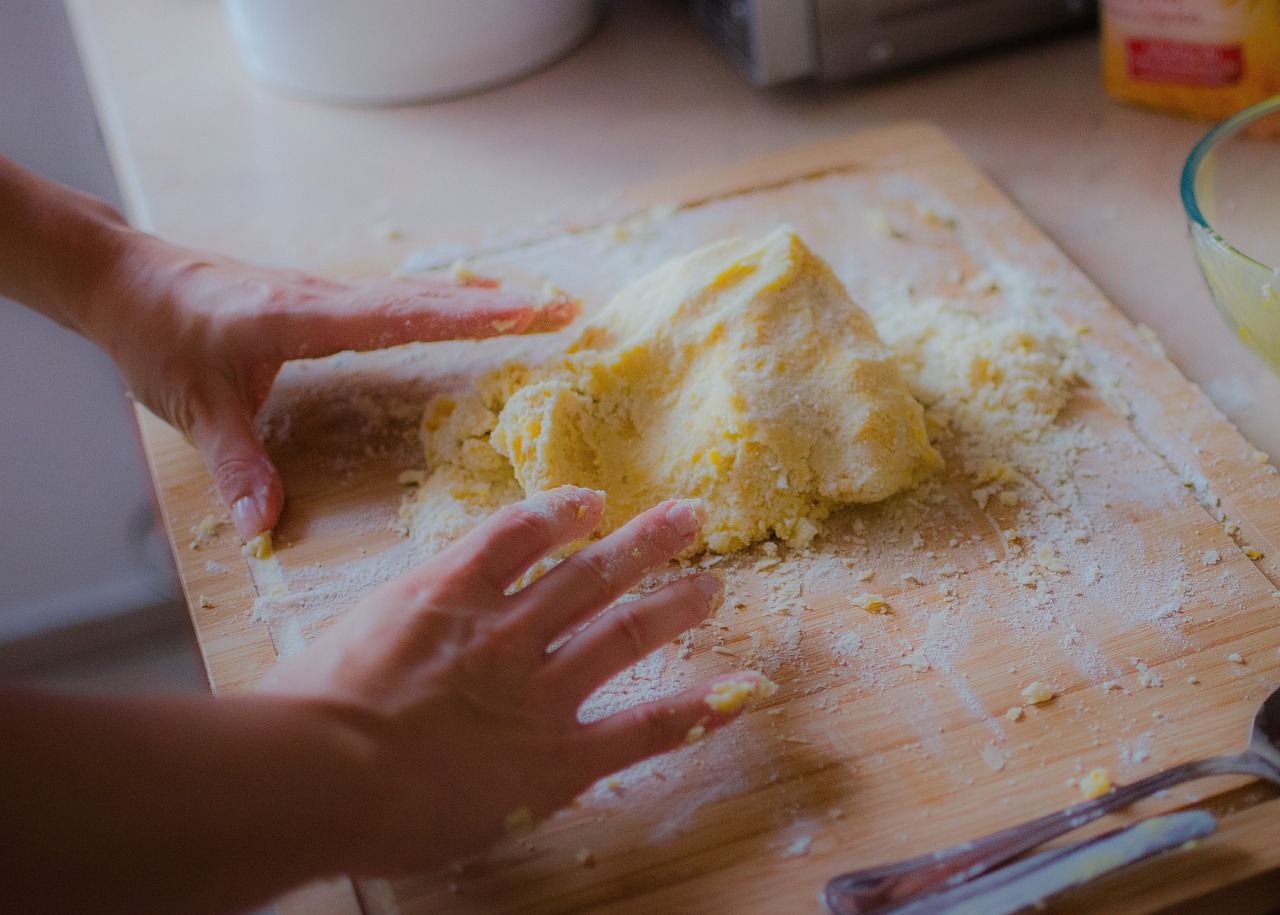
598	574
245	476
375	315
628	632
627	737
502	548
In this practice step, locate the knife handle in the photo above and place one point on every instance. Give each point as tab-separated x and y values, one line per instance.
882	888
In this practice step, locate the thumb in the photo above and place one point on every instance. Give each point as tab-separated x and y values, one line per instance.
245	477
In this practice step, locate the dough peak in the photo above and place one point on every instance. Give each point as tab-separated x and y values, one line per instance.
741	374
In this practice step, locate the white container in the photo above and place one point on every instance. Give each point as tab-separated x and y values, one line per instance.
387	52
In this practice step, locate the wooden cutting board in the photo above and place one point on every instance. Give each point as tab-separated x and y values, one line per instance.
860	759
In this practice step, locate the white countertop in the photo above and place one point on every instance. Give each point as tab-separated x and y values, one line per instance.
207	157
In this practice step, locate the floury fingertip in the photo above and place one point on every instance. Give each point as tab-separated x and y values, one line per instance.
711	584
686	516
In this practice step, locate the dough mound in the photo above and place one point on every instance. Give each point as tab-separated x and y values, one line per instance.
741	374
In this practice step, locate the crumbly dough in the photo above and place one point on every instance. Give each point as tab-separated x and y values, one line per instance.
741	374
731	695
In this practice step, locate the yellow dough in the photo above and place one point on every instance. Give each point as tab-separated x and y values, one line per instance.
741	374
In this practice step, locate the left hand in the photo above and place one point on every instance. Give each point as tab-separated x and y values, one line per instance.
199	340
467	693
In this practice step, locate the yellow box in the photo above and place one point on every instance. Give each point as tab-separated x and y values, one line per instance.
1205	59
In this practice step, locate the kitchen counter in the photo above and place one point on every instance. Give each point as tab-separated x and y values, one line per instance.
209	158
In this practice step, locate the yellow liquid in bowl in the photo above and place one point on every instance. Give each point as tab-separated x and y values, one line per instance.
1246	292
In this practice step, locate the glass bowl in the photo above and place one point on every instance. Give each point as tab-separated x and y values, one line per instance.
1231	193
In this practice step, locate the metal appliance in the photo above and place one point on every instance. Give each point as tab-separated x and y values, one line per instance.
782	41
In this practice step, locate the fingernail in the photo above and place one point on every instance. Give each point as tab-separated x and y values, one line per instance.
711	584
685	515
249	514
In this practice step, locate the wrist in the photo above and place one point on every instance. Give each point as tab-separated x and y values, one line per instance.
118	285
332	791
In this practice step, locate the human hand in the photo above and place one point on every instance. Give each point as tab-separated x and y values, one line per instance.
469	716
199	340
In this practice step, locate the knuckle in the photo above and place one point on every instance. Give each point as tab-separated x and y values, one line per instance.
591	572
232	471
659	728
631	623
524	523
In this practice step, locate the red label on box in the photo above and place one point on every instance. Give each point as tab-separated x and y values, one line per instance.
1186	63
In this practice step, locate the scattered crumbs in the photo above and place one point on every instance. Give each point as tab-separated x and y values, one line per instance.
767	562
846	646
1146	676
1235	658
1193	679
518	822
992	756
878	223
695	734
1111	686
872	603
798	848
916	661
412	478
205	602
216	567
1211	557
866	575
836	813
1049	561
1014	713
731	695
205	531
1261	457
1038	693
259	547
1230	528
790	739
1096	783
934	217
586	858
613	784
1252	552
776	710
720	649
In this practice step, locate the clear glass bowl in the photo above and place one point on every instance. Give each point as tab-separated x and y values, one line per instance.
1231	193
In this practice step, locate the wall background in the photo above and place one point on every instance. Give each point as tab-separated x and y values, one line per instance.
78	538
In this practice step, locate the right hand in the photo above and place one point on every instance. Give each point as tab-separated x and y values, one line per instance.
199	340
467	715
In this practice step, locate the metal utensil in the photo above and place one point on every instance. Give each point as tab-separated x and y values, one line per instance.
867	891
1017	886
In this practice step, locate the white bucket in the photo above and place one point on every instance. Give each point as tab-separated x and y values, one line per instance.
387	52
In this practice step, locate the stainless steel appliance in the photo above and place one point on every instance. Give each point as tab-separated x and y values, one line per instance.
781	41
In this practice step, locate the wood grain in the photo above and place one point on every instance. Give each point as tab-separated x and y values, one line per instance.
740	803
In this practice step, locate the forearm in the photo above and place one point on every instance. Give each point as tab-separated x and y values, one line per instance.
173	804
57	245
